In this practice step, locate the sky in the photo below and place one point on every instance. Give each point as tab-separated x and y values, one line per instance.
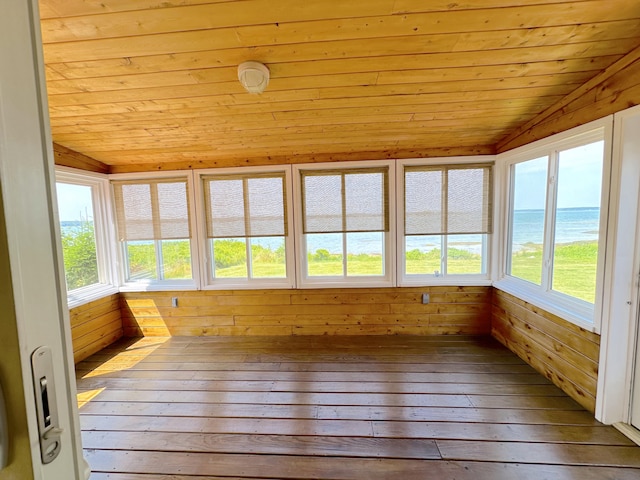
579	179
74	202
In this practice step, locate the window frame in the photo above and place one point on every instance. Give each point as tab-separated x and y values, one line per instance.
364	281
413	280
104	234
209	282
153	284
572	309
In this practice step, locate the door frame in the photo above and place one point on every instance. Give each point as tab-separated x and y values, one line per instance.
622	302
31	244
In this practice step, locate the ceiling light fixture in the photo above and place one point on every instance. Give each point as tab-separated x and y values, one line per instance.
254	76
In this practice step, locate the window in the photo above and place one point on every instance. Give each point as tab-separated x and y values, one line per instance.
447	214
247	228
153	220
555	227
345	219
82	205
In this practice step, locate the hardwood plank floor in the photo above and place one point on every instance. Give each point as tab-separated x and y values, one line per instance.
442	407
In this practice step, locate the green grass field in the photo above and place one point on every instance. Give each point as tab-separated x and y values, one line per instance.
574	263
574	268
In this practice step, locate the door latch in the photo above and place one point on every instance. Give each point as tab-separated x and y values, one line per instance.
46	406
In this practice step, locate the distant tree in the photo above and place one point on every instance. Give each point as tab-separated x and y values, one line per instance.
80	259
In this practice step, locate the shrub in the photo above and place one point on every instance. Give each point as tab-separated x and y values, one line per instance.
80	258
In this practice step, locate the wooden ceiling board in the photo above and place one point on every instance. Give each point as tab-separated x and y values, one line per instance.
142	84
246	124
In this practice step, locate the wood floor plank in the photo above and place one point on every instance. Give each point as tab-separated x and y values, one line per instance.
329	377
388	399
564	454
442	367
258	426
434	414
587	434
456	407
274	466
286	398
310	411
263	444
335	387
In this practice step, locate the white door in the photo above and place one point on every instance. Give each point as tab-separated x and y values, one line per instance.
32	295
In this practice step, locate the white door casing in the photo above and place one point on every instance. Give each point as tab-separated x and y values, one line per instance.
619	327
32	236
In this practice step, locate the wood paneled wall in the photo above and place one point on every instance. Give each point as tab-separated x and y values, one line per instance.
95	325
379	311
616	88
564	353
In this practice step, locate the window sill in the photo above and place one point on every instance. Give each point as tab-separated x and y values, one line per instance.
352	282
447	280
253	285
82	296
158	286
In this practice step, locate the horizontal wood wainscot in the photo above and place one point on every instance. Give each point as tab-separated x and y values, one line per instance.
372	311
94	326
564	353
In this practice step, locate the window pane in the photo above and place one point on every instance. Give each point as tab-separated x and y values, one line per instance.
423	255
268	259
365	202
229	257
575	256
324	254
464	254
176	259
75	206
266	204
225	208
323	203
423	201
141	256
468	200
527	219
365	253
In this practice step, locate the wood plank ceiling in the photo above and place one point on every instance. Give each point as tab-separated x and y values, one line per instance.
144	84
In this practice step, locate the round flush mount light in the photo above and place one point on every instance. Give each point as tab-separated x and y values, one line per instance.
254	76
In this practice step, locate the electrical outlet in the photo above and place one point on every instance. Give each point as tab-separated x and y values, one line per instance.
425	298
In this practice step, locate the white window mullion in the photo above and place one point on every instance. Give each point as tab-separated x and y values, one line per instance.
550	222
247	243
157	244
344	254
444	246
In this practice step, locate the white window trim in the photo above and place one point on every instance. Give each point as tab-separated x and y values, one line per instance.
573	310
389	277
205	260
161	285
404	280
104	232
